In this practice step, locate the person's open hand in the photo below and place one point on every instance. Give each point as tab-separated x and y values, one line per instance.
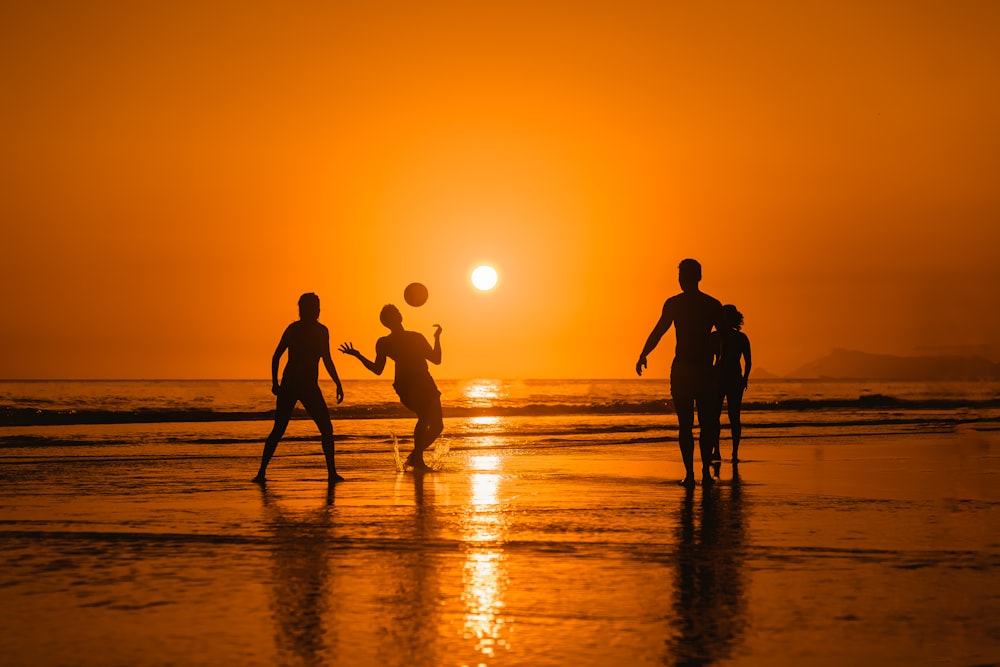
348	348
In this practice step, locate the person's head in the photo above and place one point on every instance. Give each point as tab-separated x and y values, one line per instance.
309	306
689	274
734	318
390	317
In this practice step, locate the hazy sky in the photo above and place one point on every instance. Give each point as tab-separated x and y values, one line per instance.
175	174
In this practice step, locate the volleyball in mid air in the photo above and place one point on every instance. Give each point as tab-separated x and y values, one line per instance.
415	294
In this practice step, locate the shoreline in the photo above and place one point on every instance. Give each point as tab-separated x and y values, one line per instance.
822	550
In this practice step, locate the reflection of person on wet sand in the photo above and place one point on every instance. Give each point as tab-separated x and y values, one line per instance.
692	381
413	382
307	341
301	545
411	582
733	380
710	603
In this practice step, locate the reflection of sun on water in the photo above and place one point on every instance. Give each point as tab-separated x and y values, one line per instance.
483	392
488	486
485	573
483	596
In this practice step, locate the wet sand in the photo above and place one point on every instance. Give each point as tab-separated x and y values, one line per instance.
821	551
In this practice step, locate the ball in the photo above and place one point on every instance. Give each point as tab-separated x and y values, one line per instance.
415	294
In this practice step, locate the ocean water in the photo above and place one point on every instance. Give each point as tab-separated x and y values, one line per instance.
542	412
859	530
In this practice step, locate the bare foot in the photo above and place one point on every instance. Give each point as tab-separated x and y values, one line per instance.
688	482
334	478
416	461
259	479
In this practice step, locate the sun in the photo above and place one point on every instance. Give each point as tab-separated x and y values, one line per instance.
484	277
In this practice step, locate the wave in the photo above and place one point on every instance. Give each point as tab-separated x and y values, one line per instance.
23	416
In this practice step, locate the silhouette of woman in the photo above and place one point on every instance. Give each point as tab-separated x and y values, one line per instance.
307	343
733	379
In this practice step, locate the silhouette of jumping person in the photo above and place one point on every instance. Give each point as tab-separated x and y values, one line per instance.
307	342
692	376
733	379
413	382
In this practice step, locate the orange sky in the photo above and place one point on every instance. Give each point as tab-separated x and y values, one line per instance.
175	175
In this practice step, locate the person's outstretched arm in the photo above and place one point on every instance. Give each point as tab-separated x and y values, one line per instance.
662	326
435	356
376	366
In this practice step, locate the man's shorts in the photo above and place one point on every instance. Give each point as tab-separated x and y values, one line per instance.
420	394
692	381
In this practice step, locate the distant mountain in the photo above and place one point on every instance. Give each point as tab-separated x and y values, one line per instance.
850	364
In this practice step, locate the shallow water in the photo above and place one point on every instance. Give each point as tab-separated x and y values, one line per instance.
853	549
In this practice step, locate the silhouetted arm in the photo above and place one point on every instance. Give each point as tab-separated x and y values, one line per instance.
716	347
662	326
721	326
435	356
746	356
376	366
276	361
332	370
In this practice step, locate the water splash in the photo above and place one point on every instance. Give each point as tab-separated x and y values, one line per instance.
434	462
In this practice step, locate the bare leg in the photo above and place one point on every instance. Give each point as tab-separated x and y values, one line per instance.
415	459
708	432
271	444
735	425
282	413
684	407
716	454
315	405
430	425
331	466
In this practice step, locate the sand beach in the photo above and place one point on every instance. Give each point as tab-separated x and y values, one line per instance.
863	549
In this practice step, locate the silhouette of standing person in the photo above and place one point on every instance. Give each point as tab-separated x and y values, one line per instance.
413	382
307	342
733	379
692	375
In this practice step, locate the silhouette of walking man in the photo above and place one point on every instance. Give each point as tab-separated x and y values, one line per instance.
413	382
307	341
733	379
692	377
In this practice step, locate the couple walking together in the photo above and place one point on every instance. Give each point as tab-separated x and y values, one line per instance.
706	369
308	342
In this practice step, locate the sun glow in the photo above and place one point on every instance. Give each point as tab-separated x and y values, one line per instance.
484	277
